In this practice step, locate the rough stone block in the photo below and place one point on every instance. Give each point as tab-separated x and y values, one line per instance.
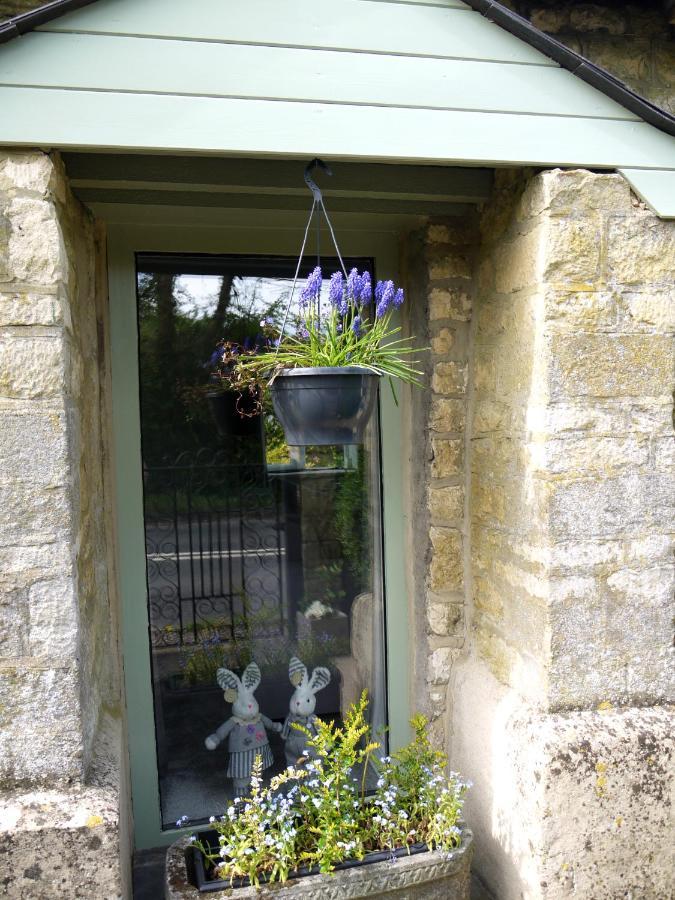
588	310
35	250
631	365
572	251
27	172
519	264
440	665
490	415
446	572
34	447
18	308
446	504
62	844
587	455
552	21
624	505
449	303
641	250
448	263
447	415
44	705
444	616
31	514
653	310
447	457
31	367
596	17
53	618
442	342
449	378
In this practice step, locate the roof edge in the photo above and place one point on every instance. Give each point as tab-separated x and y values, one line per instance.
27	21
505	18
575	63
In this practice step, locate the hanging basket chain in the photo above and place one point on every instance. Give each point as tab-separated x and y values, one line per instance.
318	207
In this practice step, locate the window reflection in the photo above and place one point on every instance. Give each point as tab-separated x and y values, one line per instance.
263	561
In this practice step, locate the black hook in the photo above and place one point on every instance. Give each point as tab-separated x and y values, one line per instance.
309	181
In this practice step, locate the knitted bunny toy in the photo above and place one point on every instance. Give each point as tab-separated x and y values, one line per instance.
246	727
302	706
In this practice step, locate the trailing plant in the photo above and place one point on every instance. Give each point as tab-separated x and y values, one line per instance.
318	814
352	326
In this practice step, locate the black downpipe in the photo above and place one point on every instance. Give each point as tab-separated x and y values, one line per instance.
19	25
574	63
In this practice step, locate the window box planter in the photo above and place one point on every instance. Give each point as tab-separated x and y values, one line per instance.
422	875
321	406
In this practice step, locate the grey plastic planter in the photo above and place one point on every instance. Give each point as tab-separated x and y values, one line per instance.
426	876
324	405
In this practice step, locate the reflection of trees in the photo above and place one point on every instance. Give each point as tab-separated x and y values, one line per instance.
177	338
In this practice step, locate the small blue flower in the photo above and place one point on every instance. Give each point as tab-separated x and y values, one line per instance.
379	290
386	298
366	289
336	289
312	288
354	284
398	298
356	326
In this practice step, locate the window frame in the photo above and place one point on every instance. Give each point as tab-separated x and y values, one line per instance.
124	242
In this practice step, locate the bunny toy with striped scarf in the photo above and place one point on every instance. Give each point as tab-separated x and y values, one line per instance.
302	706
246	729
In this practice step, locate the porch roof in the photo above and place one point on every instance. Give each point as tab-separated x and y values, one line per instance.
413	81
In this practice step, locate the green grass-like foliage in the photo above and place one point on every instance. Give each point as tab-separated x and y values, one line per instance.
317	815
353	326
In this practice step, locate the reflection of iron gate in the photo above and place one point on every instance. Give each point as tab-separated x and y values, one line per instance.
215	547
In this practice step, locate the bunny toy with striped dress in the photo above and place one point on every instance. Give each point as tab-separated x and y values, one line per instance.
302	706
246	729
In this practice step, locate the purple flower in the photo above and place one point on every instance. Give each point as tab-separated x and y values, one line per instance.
354	285
386	299
356	326
398	298
336	289
302	331
379	290
366	289
312	288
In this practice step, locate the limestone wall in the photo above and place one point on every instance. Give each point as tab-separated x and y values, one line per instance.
558	705
439	270
633	41
60	711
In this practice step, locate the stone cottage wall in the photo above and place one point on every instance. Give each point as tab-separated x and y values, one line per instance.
60	713
559	708
633	41
439	270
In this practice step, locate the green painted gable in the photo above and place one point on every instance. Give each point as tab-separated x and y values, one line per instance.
378	80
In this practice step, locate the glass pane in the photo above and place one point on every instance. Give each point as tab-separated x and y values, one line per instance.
257	553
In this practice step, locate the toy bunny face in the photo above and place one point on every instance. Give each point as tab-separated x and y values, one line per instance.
240	691
303	701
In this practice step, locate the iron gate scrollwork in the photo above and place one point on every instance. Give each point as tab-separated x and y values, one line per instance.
215	547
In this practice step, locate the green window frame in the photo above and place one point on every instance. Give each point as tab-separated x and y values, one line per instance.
123	243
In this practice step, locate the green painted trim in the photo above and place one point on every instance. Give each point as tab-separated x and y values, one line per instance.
123	243
656	188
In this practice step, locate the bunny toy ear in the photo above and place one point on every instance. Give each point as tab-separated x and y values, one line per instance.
320	678
227	680
297	672
251	676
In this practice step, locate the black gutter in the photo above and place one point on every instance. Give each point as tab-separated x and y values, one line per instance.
19	25
500	15
575	63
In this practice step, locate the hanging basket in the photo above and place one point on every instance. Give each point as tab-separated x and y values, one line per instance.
324	405
235	414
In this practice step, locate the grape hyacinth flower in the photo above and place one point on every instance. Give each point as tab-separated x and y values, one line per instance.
312	288
366	289
336	289
356	326
386	300
398	298
354	285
